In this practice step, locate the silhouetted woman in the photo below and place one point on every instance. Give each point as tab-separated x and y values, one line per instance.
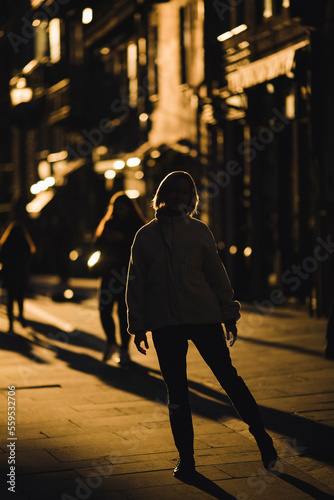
179	290
16	249
113	238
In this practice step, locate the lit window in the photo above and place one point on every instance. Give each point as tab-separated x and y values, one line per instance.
41	39
55	40
132	61
290	106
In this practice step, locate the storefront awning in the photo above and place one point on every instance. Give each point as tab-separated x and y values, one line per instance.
264	69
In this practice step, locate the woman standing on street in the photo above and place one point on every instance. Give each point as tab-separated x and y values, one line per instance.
179	290
16	249
113	238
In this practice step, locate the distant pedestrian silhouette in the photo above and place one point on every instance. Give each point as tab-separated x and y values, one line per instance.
16	249
113	238
179	290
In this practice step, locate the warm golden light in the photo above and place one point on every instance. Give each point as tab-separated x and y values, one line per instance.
133	162
68	294
110	174
30	67
55	40
44	169
225	36
234	31
270	88
61	155
39	202
139	174
94	258
118	164
155	154
50	181
87	15
21	83
268	9
74	255
18	96
132	61
34	189
143	117
247	251
132	193
233	250
101	150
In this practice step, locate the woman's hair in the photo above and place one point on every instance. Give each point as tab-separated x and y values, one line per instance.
135	215
17	235
165	186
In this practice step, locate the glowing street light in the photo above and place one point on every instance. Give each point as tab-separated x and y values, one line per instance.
87	15
133	162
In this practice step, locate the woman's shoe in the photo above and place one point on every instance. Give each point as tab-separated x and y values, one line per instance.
110	350
266	447
185	468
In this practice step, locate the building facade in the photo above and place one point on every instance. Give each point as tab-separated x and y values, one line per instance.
270	113
98	96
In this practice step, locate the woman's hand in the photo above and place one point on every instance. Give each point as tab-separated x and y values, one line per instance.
231	331
139	338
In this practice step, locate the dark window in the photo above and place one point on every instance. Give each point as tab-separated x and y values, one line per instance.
259	9
238	12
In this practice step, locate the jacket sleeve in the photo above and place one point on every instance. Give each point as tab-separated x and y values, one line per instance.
136	288
218	279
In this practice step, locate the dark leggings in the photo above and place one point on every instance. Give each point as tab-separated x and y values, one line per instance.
171	344
12	295
107	299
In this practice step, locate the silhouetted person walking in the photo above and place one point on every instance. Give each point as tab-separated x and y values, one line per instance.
16	249
179	290
113	238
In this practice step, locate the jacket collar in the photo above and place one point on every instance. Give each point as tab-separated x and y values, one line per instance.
167	216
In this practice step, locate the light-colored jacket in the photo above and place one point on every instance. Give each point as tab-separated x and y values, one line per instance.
176	277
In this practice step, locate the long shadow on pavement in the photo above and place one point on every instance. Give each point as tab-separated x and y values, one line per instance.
313	439
204	484
311	490
18	343
76	338
310	438
279	345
